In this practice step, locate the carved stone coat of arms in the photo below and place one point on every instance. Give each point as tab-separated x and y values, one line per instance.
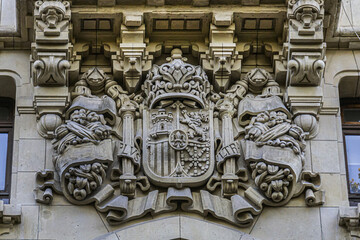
178	143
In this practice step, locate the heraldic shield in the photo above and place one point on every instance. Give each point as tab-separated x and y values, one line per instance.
177	125
224	154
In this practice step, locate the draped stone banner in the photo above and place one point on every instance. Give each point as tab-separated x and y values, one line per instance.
237	210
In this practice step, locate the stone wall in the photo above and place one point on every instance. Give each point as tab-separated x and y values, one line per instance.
62	219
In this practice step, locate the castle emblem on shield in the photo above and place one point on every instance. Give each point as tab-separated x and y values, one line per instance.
178	146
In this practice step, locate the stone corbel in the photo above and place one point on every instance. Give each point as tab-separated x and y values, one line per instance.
10	214
306	20
305	103
306	69
52	20
50	69
132	61
349	218
50	103
222	60
79	50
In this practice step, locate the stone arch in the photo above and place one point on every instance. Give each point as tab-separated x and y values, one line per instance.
348	83
7	86
177	227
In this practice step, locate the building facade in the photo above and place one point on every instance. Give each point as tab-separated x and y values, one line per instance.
193	119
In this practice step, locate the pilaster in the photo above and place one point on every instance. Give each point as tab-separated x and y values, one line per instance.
51	53
305	54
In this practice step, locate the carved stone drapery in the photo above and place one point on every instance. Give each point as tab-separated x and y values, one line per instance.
183	140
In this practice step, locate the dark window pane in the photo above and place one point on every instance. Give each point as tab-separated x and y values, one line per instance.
4	114
351	115
3	156
353	159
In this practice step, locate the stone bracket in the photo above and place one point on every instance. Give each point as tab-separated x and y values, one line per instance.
50	69
349	218
304	100
305	20
306	69
222	60
132	61
50	104
10	214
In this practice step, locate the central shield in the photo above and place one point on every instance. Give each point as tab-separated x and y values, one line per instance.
178	126
178	147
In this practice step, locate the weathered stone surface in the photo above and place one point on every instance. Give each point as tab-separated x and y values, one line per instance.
286	219
334	188
327	128
170	229
218	36
25	182
72	225
324	160
27	126
189	229
31	155
28	228
330	228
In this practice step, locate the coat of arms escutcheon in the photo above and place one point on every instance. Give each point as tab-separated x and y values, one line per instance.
178	143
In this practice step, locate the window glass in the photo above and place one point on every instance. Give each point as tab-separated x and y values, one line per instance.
351	115
4	114
353	156
3	158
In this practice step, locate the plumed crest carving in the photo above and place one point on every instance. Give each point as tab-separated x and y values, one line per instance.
176	79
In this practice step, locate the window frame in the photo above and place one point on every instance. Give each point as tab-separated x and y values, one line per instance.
7	126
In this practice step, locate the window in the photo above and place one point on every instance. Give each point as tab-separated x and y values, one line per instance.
6	140
8	16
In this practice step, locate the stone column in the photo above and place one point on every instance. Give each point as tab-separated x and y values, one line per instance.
128	179
229	180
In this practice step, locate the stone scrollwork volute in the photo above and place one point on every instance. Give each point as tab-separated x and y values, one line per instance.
180	144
